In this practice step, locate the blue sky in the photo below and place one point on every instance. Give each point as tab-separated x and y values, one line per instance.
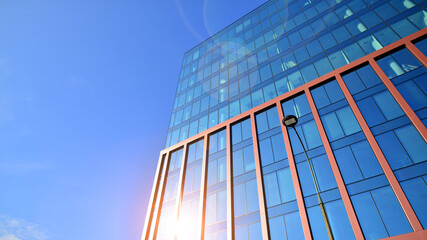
86	90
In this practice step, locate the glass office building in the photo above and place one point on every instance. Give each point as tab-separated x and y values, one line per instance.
354	73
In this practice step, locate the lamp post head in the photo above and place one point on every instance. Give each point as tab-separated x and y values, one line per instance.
290	121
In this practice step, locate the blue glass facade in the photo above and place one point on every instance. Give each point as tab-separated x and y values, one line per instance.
278	47
354	73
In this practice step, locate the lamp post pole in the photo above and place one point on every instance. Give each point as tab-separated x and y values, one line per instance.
291	121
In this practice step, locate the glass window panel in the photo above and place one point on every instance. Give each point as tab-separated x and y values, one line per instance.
239	200
301	54
353	52
287	192
295	80
243	84
279	149
306	32
324	173
294	226
248	158
369	218
254	78
341	34
283	44
323	66
386	36
356	5
416	191
245	103
184	133
277	66
402	5
338	59
349	169
294	38
304	175
327	41
353	83
370	19
317	223
370	44
271	189
403	28
365	157
266	152
390	211
252	196
273	118
257	98
344	12
419	19
234	108
348	121
277	228
390	67
413	143
314	47
246	129
237	162
320	97
311	134
330	19
388	105
203	123
309	73
339	221
393	150
221	210
413	95
289	61
386	11
213	119
255	232
406	60
265	72
355	27
333	91
281	86
241	233
222	167
269	92
273	50
330	123
370	112
318	25
300	18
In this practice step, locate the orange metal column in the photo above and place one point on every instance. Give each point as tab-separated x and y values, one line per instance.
335	169
295	179
181	181
230	194
260	182
401	197
204	179
399	99
153	197
166	162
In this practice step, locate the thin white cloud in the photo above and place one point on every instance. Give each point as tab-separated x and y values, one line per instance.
18	229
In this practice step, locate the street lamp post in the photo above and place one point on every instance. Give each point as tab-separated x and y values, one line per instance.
291	121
